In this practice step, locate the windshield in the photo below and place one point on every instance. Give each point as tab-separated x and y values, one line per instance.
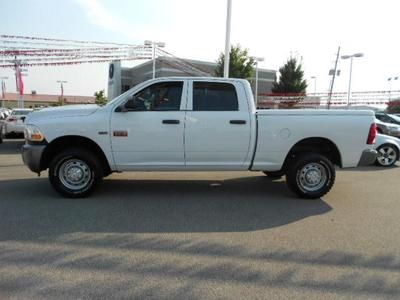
394	117
124	94
117	98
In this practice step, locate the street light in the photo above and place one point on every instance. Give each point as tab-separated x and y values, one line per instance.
257	60
227	38
351	68
390	79
154	44
315	84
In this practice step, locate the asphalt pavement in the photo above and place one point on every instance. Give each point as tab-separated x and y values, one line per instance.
225	235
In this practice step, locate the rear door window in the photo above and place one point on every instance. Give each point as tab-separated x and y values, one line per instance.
214	96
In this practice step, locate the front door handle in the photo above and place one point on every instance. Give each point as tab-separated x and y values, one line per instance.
170	122
238	122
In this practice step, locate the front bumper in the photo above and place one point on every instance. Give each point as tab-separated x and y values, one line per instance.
368	157
32	155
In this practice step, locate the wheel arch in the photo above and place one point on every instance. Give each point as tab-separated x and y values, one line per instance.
318	145
73	141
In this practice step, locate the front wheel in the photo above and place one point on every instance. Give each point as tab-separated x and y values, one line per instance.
311	176
74	173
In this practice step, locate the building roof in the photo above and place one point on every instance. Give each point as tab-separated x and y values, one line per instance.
49	98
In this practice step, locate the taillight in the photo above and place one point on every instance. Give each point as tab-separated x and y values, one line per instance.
11	119
372	134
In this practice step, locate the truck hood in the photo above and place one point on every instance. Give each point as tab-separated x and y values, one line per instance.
62	111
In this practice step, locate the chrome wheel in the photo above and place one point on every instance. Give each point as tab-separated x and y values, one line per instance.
387	155
74	174
312	177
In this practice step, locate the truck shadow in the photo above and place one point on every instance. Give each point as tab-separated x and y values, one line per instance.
152	206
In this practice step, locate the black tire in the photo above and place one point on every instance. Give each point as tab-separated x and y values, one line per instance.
390	151
274	174
301	185
82	162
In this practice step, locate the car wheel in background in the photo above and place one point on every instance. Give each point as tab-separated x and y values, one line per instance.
388	154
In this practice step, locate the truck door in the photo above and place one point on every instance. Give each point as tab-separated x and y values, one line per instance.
218	129
150	134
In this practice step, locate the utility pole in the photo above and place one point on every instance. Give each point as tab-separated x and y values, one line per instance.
3	90
61	82
333	78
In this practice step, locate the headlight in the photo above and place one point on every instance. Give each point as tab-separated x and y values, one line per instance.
33	134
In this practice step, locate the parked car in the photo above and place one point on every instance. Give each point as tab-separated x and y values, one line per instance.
14	124
387	118
387	128
388	149
195	124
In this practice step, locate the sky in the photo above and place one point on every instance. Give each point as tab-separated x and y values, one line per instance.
311	30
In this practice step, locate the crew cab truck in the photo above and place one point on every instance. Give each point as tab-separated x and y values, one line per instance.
195	124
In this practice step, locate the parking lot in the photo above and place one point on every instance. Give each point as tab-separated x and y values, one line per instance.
227	235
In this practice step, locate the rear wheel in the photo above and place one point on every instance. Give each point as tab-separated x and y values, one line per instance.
387	155
311	176
75	173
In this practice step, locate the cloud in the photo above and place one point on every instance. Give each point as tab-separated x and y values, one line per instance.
98	15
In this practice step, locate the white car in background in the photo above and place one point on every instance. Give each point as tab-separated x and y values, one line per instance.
388	149
14	124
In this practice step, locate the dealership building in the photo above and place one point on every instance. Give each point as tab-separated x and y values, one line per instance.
121	79
34	100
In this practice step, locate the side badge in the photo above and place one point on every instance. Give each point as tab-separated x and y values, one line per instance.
121	133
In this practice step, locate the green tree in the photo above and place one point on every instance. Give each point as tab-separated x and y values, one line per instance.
101	99
241	65
291	78
393	107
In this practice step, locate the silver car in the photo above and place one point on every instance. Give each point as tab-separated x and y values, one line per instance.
388	128
14	124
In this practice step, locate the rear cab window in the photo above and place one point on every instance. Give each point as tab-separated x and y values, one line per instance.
214	96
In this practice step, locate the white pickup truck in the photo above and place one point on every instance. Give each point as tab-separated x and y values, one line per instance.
195	124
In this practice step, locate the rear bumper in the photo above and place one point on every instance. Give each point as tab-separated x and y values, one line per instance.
32	155
368	157
13	128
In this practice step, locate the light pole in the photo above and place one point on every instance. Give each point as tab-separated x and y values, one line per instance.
154	44
227	38
315	84
257	60
3	90
390	79
61	82
351	68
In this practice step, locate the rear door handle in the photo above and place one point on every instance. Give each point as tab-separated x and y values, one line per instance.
237	122
170	122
